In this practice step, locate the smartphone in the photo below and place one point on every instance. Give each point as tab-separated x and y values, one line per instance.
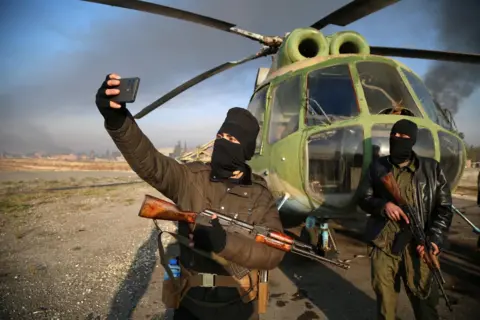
128	90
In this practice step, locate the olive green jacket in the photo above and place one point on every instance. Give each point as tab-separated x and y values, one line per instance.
190	187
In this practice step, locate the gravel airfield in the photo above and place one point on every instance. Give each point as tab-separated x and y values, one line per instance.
85	254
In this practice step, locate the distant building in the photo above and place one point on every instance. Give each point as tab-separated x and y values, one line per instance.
65	157
178	150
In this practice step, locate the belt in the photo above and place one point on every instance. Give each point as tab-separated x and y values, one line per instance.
209	280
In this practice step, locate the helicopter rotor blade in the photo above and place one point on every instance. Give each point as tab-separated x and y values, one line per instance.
201	77
426	54
351	12
191	17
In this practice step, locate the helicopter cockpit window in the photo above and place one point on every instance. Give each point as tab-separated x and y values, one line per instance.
433	110
335	160
451	156
285	109
443	117
424	146
257	107
385	91
331	96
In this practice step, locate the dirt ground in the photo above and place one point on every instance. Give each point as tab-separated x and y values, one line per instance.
85	254
29	164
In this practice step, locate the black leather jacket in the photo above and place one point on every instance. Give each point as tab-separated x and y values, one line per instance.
433	192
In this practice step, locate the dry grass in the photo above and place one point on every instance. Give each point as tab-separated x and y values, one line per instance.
61	165
17	198
17	204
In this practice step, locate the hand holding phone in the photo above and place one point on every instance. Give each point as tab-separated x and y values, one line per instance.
115	91
128	90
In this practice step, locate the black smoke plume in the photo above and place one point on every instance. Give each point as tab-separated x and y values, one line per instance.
451	83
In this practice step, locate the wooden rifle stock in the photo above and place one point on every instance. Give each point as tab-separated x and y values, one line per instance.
273	243
392	187
154	208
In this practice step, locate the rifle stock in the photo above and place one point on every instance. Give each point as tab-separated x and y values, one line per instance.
273	243
392	187
154	208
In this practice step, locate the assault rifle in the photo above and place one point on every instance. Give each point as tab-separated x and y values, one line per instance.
154	208
416	231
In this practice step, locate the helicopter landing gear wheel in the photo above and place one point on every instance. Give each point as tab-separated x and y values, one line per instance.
321	237
328	250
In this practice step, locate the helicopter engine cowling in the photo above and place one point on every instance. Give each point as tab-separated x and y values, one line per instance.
348	42
301	44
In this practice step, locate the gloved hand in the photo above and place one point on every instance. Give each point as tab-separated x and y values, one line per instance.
212	238
114	113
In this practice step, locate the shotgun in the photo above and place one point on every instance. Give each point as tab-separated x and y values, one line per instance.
158	209
416	232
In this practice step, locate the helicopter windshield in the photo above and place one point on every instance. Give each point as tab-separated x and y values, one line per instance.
385	90
284	116
331	96
432	109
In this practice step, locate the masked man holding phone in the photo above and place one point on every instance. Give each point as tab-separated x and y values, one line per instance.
423	185
228	186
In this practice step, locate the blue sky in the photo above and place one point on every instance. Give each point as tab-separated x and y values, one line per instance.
54	55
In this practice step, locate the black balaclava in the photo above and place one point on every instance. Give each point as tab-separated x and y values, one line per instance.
401	148
227	156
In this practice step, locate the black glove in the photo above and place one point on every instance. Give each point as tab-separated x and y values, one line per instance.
114	118
212	238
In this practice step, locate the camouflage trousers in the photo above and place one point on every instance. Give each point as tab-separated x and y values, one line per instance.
387	273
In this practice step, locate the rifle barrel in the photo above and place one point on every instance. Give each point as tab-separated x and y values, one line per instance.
313	256
444	294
